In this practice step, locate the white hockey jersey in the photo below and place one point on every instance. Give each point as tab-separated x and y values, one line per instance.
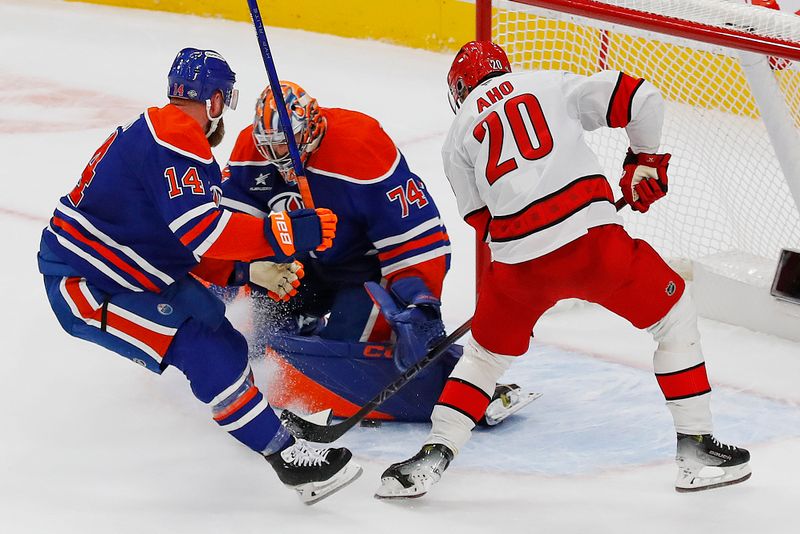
516	148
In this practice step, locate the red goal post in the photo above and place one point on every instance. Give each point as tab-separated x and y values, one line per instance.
728	73
776	44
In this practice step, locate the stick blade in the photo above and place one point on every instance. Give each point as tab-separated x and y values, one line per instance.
304	429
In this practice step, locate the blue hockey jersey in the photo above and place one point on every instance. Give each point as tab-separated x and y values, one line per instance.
146	209
389	226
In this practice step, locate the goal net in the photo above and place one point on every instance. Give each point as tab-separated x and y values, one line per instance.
732	119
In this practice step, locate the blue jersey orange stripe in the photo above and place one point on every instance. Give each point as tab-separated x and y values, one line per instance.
165	214
388	224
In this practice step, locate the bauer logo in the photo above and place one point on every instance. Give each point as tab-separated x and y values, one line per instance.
671	287
164	309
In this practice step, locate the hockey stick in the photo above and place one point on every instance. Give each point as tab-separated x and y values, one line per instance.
304	429
274	83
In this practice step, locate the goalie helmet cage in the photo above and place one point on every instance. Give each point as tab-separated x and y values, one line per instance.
728	73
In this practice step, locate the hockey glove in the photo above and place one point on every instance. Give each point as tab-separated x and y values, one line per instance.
300	231
281	280
413	313
644	179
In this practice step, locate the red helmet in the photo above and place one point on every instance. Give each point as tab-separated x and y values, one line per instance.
474	63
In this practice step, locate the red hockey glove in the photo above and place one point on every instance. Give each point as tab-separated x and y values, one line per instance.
644	179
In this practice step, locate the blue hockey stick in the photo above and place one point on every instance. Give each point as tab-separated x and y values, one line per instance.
274	83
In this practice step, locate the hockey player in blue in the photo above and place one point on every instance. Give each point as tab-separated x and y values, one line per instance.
121	248
333	346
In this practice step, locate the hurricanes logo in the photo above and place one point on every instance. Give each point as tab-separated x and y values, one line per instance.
671	287
286	202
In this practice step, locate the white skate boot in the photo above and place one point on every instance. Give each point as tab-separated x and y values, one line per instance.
507	400
705	463
415	476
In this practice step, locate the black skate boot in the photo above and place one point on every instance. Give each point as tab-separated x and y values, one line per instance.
705	463
507	400
314	473
415	476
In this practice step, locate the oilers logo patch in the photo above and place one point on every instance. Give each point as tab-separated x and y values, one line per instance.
286	202
216	194
164	309
671	287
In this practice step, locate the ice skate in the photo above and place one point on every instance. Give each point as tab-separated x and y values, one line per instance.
415	476
507	400
314	473
705	463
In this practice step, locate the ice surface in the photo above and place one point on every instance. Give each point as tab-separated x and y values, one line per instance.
93	444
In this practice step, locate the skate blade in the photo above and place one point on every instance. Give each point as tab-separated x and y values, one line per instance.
494	417
391	488
710	477
313	492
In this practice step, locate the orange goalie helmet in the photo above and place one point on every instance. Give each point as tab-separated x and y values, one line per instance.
308	127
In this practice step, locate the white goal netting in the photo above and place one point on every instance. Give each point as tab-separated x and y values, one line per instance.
728	191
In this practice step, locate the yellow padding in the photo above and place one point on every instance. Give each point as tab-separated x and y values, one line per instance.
430	24
699	78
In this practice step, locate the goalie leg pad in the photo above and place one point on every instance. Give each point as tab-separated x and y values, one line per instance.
317	373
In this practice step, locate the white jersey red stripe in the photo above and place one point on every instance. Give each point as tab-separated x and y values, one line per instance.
516	149
621	104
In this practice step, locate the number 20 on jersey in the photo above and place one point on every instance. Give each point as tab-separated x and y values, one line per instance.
523	118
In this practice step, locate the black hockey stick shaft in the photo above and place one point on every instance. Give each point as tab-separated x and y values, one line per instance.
303	429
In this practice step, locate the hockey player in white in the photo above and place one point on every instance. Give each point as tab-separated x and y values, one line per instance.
529	184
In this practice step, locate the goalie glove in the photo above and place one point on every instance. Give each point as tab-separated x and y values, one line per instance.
413	313
281	280
644	179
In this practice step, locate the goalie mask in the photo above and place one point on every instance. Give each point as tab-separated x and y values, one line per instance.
308	127
476	62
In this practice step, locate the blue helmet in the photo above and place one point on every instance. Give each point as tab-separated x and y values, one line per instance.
198	74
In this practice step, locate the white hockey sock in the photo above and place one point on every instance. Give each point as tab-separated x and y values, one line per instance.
680	368
465	396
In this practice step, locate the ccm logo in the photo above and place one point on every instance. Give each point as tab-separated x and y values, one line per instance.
284	234
377	351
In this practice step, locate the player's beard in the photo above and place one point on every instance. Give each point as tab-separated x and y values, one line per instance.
216	136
